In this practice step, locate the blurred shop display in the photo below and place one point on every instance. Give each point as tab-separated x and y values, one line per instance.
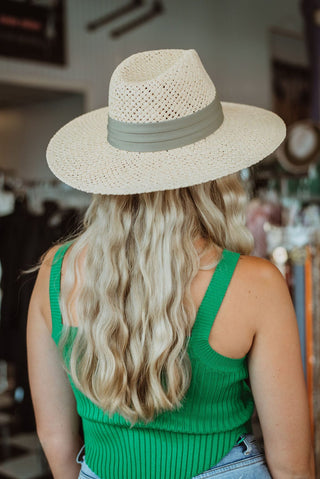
301	147
291	75
295	165
295	72
296	252
263	210
33	216
154	9
33	29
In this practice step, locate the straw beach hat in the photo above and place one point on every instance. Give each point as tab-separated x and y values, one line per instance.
164	128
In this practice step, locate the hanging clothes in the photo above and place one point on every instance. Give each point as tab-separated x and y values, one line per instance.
24	237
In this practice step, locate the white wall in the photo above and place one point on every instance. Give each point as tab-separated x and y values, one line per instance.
231	37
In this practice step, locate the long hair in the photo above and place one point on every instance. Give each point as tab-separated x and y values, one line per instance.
133	303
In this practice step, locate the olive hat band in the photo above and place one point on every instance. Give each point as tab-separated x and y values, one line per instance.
165	135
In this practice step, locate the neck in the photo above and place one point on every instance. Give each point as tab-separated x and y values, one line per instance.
210	255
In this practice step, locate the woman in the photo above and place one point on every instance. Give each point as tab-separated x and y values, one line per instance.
155	309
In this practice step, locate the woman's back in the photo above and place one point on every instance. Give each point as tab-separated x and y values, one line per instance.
232	331
215	412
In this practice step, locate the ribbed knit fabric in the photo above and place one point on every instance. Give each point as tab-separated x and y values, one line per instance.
179	444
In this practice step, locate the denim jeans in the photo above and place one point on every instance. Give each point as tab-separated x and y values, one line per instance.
244	461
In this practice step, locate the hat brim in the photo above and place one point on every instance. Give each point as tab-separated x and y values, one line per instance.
80	155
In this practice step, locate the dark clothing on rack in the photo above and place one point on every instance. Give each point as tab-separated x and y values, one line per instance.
24	237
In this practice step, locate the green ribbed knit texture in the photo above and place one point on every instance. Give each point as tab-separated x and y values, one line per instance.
183	443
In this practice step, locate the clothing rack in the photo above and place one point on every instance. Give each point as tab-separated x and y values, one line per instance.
34	215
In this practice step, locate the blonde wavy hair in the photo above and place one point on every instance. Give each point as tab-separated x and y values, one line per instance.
133	302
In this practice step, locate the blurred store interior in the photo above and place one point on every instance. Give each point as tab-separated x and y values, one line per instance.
56	59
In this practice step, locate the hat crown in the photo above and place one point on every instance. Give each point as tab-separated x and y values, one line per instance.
159	85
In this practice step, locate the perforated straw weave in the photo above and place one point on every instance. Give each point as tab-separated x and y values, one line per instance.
159	85
149	88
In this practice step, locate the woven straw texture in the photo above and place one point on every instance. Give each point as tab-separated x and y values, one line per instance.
155	87
152	87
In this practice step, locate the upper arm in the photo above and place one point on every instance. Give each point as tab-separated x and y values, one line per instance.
277	378
52	396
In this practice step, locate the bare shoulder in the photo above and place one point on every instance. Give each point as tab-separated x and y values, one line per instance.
259	268
47	258
260	273
263	287
45	268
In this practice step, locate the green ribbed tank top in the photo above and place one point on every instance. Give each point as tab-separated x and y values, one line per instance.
183	443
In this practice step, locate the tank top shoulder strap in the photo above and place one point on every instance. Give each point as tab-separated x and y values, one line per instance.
215	294
54	291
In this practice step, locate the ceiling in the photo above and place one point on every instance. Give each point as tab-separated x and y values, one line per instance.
15	95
